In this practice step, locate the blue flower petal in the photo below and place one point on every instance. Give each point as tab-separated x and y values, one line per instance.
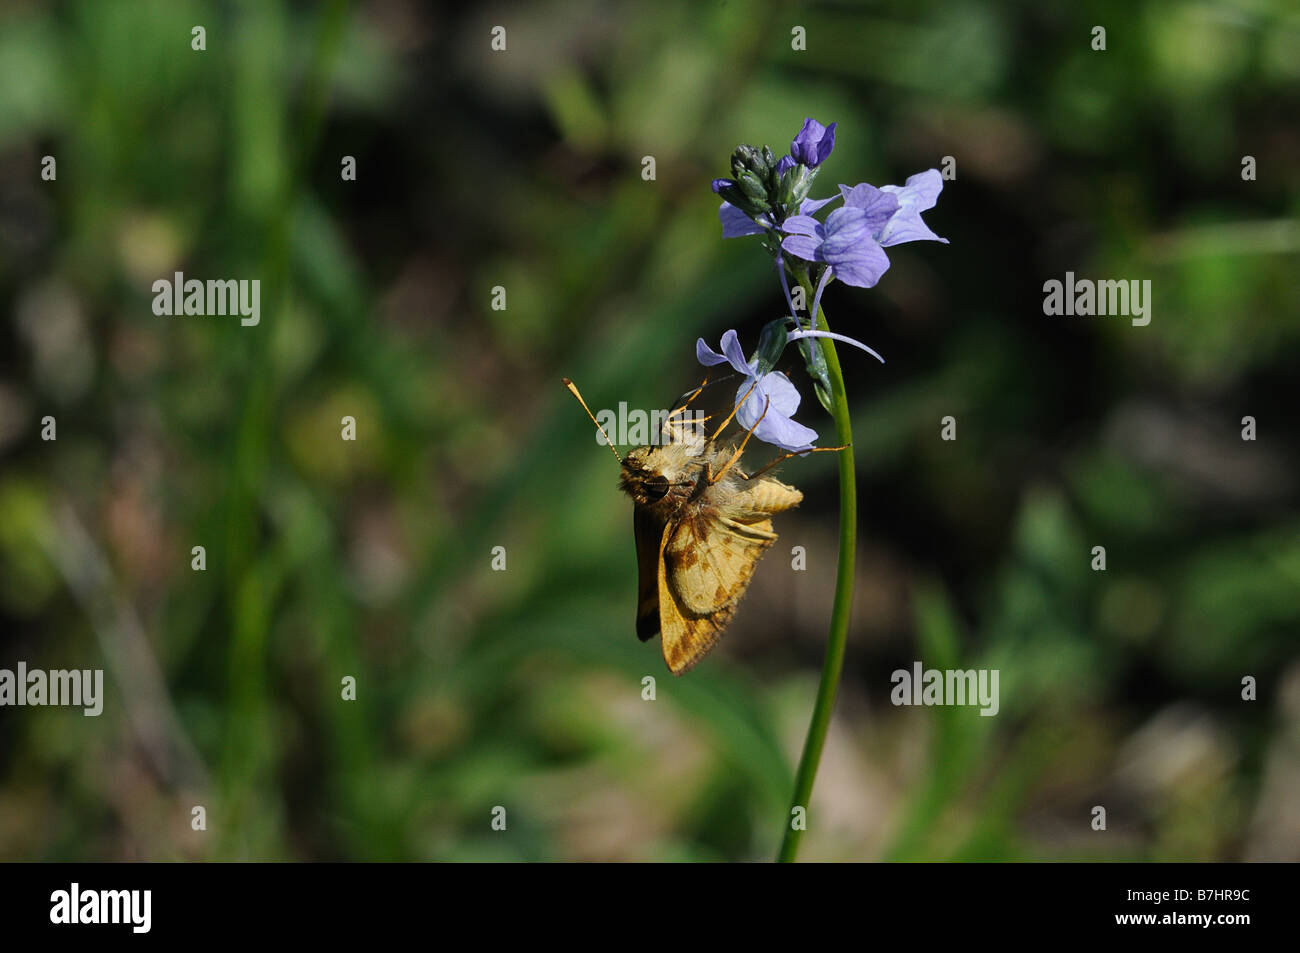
785	433
735	353
783	394
845	229
804	236
908	228
918	194
798	335
862	265
802	225
781	399
878	204
808	206
731	354
920	191
706	355
801	246
735	223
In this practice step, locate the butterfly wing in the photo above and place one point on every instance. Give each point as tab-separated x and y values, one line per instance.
649	533
705	564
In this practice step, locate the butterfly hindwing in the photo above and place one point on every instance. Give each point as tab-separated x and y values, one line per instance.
705	565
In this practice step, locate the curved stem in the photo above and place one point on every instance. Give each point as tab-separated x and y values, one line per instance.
842	606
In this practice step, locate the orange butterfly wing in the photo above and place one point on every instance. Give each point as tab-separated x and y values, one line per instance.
705	564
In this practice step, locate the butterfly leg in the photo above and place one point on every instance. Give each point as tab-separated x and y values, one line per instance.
740	449
690	397
740	403
787	456
676	420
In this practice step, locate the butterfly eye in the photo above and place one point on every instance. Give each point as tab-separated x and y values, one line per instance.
655	488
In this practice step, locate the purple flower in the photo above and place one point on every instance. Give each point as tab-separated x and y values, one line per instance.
844	242
878	205
814	143
736	224
785	165
919	193
895	211
808	206
772	391
853	238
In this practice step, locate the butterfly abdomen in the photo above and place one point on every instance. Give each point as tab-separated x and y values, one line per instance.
767	497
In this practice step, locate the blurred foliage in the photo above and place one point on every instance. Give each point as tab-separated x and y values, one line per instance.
523	689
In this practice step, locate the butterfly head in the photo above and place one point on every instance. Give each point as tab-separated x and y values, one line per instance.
665	476
662	478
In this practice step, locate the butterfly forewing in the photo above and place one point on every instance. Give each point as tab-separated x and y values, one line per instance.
649	533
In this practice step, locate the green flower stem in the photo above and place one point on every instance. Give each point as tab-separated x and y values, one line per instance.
842	606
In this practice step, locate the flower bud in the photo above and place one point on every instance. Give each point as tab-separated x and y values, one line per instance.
735	195
814	142
772	177
748	159
800	179
753	187
744	160
785	194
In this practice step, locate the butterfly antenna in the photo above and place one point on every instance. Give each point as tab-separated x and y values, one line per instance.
609	443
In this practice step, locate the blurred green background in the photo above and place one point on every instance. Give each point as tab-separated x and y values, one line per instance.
523	688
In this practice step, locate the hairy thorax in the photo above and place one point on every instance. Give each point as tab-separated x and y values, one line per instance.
668	477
